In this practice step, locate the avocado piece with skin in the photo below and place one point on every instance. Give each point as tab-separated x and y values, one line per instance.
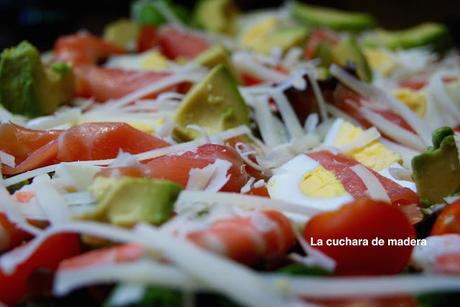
282	38
30	89
348	51
315	16
433	35
152	12
218	16
214	104
122	32
127	201
436	172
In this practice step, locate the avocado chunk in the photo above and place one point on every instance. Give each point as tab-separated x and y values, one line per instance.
436	172
30	89
433	35
153	12
122	32
214	56
218	16
214	104
347	51
315	16
282	38
127	201
217	55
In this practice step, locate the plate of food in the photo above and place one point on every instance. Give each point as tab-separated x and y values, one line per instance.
294	156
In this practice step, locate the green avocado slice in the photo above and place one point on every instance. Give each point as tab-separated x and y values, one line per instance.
429	34
316	16
214	104
27	87
348	50
436	172
283	38
218	16
127	201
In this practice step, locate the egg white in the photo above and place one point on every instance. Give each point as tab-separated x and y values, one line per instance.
285	185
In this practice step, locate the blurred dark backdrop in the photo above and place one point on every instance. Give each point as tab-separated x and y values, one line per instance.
41	21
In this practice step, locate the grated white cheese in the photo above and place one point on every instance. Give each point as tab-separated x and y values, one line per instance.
146	272
127	293
189	198
319	96
247	186
210	178
51	201
234	280
368	136
374	93
449	107
374	187
10	207
290	119
394	131
244	62
271	129
7	159
369	286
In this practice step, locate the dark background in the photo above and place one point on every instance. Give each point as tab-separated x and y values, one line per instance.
42	21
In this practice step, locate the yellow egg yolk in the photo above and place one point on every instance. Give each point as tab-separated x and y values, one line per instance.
380	60
321	183
155	61
415	100
256	33
374	155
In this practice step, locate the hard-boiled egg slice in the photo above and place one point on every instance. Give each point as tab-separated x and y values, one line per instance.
416	100
304	181
374	155
151	60
257	31
381	61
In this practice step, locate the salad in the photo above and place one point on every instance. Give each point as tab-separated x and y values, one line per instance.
297	156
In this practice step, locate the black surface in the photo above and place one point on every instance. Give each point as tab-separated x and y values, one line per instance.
42	21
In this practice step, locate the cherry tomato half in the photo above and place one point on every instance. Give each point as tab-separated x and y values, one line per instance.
363	219
448	221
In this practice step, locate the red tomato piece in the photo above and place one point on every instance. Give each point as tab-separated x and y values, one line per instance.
363	219
10	235
177	43
84	49
448	221
47	256
262	191
239	239
104	84
176	167
147	39
341	166
94	141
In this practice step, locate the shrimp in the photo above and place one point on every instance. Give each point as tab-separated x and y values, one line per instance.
247	239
